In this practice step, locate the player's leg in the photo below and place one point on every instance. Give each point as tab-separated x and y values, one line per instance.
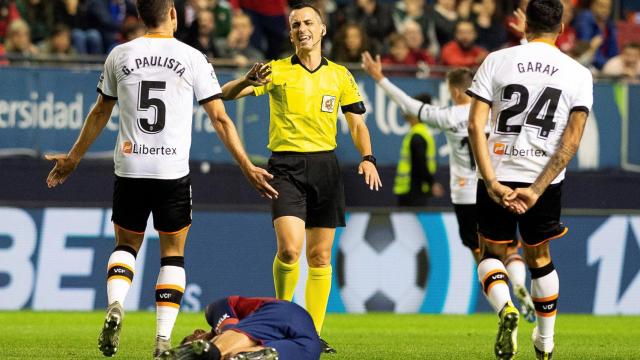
172	219
540	225
466	215
545	286
496	227
130	214
290	237
517	274
170	286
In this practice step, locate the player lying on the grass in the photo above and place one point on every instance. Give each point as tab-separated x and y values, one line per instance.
252	329
453	121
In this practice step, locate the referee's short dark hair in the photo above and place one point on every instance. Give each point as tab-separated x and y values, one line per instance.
544	16
460	78
297	5
153	12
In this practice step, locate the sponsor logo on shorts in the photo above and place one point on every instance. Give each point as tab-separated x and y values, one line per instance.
508	150
129	148
328	103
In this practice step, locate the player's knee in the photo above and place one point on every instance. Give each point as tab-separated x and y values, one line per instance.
537	256
289	254
319	257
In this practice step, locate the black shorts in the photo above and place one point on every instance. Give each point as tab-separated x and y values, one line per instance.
168	200
537	226
310	187
467	215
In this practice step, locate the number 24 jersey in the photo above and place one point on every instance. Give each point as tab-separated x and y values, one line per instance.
532	89
154	80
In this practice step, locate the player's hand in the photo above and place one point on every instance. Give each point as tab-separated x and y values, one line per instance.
498	192
61	170
372	67
259	178
521	200
521	19
370	173
258	75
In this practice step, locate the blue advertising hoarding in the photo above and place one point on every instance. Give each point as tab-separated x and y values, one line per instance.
42	110
56	258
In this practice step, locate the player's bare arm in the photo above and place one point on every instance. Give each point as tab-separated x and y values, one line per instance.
226	130
372	67
478	116
258	75
559	160
362	141
93	125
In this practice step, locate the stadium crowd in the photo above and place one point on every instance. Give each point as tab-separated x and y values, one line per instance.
412	35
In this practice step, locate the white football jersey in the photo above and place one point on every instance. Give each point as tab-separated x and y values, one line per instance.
154	80
532	89
454	121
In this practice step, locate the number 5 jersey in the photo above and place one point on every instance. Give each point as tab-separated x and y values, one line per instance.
154	80
532	89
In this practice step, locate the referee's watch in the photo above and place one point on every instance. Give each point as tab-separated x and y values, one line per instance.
369	158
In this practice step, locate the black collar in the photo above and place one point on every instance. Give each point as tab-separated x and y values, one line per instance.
296	60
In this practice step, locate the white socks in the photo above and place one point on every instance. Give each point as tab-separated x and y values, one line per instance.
169	291
545	287
494	280
120	271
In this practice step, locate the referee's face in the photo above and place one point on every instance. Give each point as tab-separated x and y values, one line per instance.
306	28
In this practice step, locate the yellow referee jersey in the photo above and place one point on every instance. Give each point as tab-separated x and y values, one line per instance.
304	104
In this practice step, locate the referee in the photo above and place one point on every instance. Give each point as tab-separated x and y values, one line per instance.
305	91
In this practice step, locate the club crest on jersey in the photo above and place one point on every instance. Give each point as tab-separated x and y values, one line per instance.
328	103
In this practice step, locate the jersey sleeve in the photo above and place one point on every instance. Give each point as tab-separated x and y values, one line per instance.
261	90
482	87
350	99
584	98
205	82
108	84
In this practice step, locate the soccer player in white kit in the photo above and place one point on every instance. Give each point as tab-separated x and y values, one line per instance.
154	79
453	121
539	100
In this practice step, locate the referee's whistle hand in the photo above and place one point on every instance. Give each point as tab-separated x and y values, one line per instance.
370	173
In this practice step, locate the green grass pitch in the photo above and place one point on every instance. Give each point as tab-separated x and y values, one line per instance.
48	335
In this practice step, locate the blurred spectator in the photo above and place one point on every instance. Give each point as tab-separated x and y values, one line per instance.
8	13
3	56
445	18
188	9
462	51
401	54
75	13
417	11
108	16
375	18
59	43
492	33
269	18
237	45
18	40
626	65
595	21
39	15
202	34
567	38
584	52
350	42
133	30
412	31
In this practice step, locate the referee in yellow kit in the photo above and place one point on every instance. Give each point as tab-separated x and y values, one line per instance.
305	91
